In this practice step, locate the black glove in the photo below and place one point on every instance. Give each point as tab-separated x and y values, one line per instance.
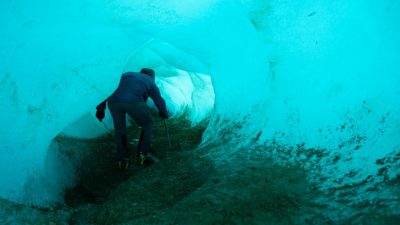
100	114
101	108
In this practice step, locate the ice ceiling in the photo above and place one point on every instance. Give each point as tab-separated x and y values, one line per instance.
321	74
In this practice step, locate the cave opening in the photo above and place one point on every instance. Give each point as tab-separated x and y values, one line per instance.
82	158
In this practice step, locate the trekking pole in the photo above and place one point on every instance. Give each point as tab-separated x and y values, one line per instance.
166	129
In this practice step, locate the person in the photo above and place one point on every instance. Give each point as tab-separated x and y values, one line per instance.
130	98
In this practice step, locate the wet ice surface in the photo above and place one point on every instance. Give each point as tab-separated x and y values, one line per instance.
199	185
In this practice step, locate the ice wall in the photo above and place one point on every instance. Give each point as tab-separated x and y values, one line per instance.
334	87
333	63
59	59
322	73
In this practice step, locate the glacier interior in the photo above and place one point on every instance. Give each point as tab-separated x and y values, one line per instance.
303	88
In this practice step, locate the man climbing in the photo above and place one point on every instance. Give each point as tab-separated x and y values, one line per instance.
130	98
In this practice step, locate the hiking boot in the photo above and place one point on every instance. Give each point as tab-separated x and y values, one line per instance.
140	160
120	164
123	164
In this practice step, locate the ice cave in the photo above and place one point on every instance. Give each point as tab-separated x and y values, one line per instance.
280	112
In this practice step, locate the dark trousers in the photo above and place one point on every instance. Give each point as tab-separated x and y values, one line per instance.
140	113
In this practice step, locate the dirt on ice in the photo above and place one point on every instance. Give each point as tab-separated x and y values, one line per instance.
189	184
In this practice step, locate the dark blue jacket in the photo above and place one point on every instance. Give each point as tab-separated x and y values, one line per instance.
137	87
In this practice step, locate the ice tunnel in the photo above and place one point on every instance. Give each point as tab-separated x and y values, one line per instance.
292	90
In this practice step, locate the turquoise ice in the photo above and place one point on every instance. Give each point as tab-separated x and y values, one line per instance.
319	74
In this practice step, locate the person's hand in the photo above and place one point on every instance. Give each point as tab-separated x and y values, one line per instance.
100	114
